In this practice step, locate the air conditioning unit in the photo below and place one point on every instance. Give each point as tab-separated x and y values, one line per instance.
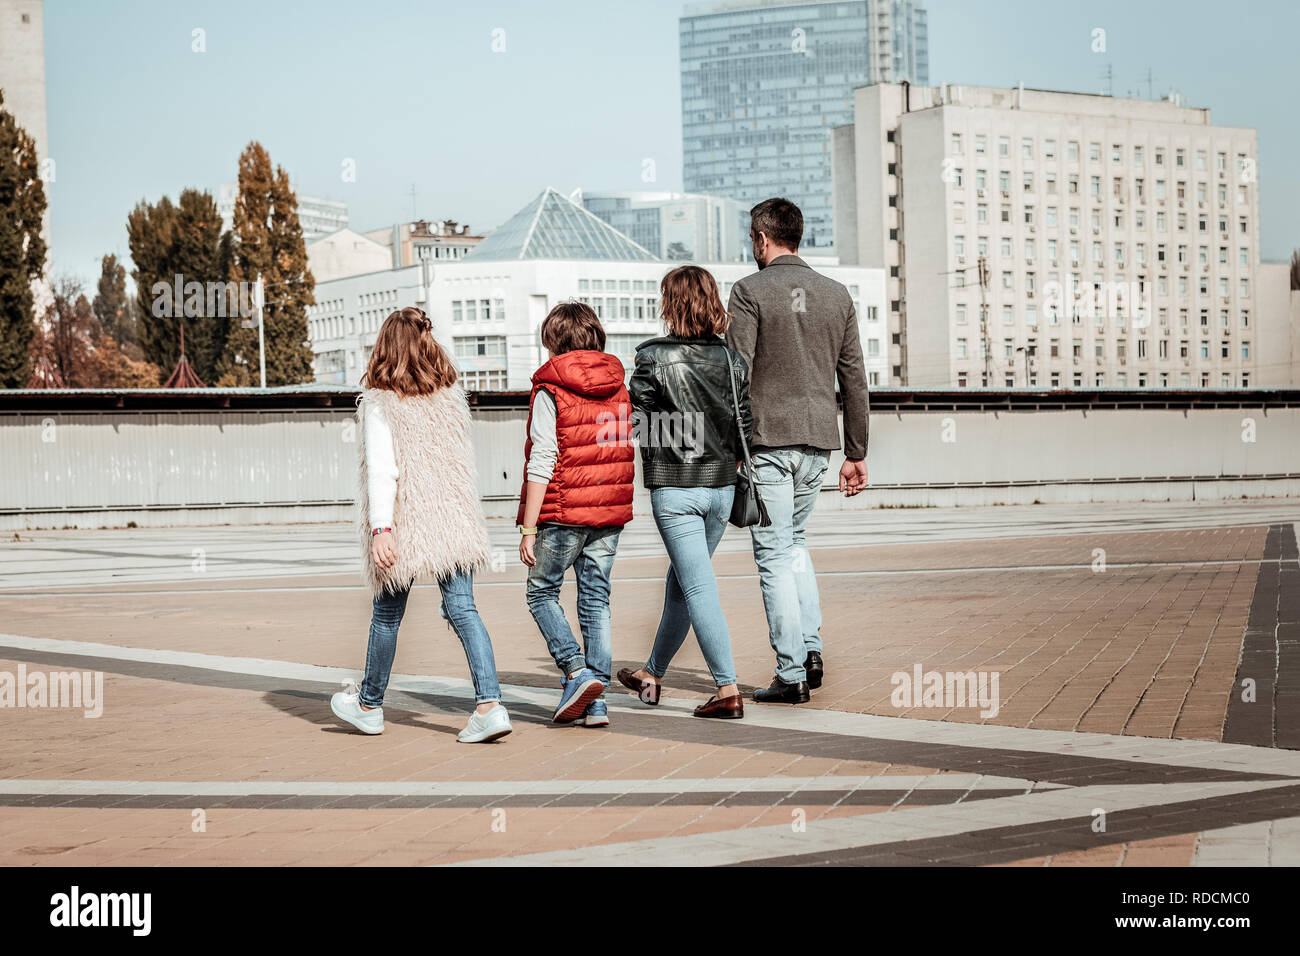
1074	231
979	194
1005	194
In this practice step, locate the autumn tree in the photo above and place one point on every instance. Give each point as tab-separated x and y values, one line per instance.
268	244
22	248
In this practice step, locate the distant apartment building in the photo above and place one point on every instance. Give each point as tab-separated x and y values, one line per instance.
682	227
318	217
488	307
763	83
346	253
1054	239
423	240
22	76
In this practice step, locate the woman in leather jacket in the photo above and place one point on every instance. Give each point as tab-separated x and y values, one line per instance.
688	427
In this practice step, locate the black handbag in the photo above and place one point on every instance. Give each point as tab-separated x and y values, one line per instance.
747	508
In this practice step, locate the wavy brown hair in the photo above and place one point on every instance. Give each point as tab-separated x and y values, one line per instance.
690	304
407	359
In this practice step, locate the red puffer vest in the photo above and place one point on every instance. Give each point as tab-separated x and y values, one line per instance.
594	470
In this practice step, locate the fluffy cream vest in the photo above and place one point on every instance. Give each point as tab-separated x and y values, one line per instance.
438	524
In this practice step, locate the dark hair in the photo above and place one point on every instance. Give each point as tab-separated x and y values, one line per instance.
690	304
407	359
778	219
571	326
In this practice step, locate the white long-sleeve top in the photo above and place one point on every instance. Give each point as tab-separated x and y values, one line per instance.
381	467
546	447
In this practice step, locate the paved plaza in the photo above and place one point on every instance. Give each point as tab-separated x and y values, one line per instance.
1146	659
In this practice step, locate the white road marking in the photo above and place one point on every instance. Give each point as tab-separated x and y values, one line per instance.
1207	755
875	829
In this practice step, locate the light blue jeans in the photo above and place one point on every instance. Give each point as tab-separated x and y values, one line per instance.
459	611
691	522
590	552
789	480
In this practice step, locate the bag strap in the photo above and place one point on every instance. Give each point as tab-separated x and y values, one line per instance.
735	404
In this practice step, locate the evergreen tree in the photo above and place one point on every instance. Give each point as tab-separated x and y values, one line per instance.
268	243
150	231
112	307
22	249
181	239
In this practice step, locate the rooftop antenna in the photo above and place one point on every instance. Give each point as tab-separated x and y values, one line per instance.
1108	76
1150	85
414	215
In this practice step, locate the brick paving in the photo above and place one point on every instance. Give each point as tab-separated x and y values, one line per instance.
1144	648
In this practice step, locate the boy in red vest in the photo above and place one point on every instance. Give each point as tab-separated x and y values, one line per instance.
577	495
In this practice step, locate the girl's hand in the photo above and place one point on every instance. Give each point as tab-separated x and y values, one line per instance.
382	550
526	554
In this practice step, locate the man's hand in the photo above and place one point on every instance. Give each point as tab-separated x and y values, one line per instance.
526	554
853	477
382	549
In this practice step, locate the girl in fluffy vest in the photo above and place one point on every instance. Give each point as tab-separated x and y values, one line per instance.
419	515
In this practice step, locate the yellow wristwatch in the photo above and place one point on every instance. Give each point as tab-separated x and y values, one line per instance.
523	530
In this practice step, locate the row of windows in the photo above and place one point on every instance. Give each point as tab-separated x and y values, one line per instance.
1116	219
1162	349
475	310
1159	154
1144	380
1074	247
1101	311
1119	187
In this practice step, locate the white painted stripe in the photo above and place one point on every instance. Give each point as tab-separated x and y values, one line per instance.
874	829
1201	754
956	782
27	593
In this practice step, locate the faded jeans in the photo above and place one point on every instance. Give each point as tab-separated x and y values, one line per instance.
590	552
691	522
789	479
459	611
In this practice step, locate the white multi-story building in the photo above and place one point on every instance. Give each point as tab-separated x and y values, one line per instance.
686	227
22	78
488	308
318	217
1053	239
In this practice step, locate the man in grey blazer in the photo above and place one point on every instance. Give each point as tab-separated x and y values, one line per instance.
798	331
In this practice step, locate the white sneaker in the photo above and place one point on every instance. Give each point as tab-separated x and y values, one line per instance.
481	728
347	706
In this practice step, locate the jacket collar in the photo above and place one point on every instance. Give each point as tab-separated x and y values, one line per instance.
680	340
789	259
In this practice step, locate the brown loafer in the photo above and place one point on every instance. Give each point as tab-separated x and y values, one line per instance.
725	708
647	690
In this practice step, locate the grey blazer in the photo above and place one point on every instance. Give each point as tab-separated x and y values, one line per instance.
798	331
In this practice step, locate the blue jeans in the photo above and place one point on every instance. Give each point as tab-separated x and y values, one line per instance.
459	610
691	522
590	552
789	479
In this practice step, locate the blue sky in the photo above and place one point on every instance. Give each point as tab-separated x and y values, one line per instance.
584	91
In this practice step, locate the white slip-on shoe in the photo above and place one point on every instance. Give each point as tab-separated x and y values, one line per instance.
347	706
482	728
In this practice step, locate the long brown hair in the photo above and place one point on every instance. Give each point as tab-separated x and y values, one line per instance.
407	359
690	305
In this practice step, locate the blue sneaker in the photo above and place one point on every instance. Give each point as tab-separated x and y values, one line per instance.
579	691
597	714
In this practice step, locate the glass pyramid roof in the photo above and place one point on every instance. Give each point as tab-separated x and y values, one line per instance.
554	227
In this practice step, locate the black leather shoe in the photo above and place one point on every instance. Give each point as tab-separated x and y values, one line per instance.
779	692
813	665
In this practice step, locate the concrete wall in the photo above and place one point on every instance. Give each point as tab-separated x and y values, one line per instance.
108	468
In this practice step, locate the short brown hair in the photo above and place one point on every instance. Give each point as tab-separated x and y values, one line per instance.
690	304
778	219
572	326
407	359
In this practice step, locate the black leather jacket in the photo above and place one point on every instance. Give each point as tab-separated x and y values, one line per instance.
684	416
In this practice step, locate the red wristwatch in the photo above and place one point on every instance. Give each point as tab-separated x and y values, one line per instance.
376	531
